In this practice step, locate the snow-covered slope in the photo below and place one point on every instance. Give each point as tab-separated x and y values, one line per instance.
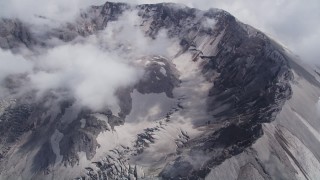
215	99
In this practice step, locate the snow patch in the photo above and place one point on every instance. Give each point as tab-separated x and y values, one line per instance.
318	107
83	123
161	63
123	135
163	71
155	157
313	131
194	89
149	107
4	104
303	155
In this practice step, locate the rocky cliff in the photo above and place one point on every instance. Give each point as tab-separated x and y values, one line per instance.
225	105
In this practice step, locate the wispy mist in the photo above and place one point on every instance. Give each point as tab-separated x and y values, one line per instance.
11	64
294	23
45	12
88	69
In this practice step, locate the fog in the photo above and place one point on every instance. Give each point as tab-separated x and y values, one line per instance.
11	64
88	69
49	12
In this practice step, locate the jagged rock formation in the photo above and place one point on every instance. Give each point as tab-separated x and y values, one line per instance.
225	81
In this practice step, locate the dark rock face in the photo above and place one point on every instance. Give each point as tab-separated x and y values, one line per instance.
44	159
156	81
14	33
12	127
251	71
250	88
219	146
82	139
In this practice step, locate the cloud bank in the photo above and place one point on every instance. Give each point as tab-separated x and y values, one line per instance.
89	69
89	73
80	71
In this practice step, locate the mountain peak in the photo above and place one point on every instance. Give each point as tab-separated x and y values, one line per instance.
153	91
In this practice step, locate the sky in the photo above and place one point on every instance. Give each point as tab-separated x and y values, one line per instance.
293	23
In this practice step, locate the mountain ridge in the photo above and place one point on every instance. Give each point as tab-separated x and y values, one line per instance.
244	79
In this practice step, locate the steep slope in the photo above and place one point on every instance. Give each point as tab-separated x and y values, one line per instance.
227	103
289	147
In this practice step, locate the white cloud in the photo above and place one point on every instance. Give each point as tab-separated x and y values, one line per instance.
209	23
88	69
126	31
89	73
11	64
56	11
82	71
